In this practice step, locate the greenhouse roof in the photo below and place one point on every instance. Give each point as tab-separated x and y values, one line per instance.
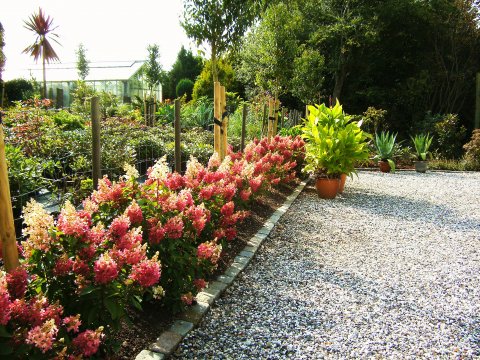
100	71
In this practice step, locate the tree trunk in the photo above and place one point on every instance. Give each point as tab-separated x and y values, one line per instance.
214	62
340	76
44	75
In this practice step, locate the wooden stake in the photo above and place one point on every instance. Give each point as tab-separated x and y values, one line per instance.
244	123
178	154
96	150
271	105
223	128
275	123
217	114
8	241
264	120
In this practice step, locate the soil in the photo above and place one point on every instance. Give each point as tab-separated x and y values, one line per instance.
148	324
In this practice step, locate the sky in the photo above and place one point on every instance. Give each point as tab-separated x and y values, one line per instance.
110	30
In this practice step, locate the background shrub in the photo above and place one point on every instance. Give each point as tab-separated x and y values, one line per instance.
185	87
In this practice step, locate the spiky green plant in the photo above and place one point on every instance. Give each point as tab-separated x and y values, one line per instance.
422	143
385	146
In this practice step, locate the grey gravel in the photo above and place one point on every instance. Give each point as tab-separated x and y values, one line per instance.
389	269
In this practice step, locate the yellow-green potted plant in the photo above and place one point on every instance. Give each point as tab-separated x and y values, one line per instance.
334	143
422	144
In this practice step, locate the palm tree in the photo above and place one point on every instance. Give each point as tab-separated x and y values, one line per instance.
41	26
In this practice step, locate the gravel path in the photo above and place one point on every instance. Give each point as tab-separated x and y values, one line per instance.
390	269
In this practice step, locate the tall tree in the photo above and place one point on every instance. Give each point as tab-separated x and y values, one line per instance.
152	69
219	23
82	63
41	25
186	66
2	62
267	54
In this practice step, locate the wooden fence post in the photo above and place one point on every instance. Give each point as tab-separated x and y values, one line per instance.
96	150
217	115
271	118
59	100
264	120
224	120
275	122
244	123
8	241
178	154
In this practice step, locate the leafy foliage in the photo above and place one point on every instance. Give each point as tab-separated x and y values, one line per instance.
219	23
472	151
185	87
226	75
152	69
186	66
82	62
334	143
18	90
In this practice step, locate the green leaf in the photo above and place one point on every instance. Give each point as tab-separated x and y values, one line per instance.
4	333
88	290
136	302
6	349
113	307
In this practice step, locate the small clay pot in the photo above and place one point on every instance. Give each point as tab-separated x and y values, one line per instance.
384	166
341	187
421	166
327	188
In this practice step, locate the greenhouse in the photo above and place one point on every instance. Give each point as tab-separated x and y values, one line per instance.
121	78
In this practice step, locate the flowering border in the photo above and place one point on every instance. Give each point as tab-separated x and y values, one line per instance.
186	321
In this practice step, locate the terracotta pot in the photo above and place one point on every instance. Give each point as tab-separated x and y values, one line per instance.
341	186
421	166
327	188
384	166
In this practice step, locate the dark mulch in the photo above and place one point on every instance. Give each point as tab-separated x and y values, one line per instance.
148	324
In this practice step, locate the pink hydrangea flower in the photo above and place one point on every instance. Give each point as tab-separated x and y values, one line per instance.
209	250
88	342
200	284
105	269
70	222
134	213
174	227
43	336
174	181
156	232
187	299
72	323
5	310
119	226
17	281
146	273
255	183
245	194
227	209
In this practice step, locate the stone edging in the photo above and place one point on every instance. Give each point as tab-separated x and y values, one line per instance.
169	340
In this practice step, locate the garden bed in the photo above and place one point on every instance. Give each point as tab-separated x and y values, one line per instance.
148	324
